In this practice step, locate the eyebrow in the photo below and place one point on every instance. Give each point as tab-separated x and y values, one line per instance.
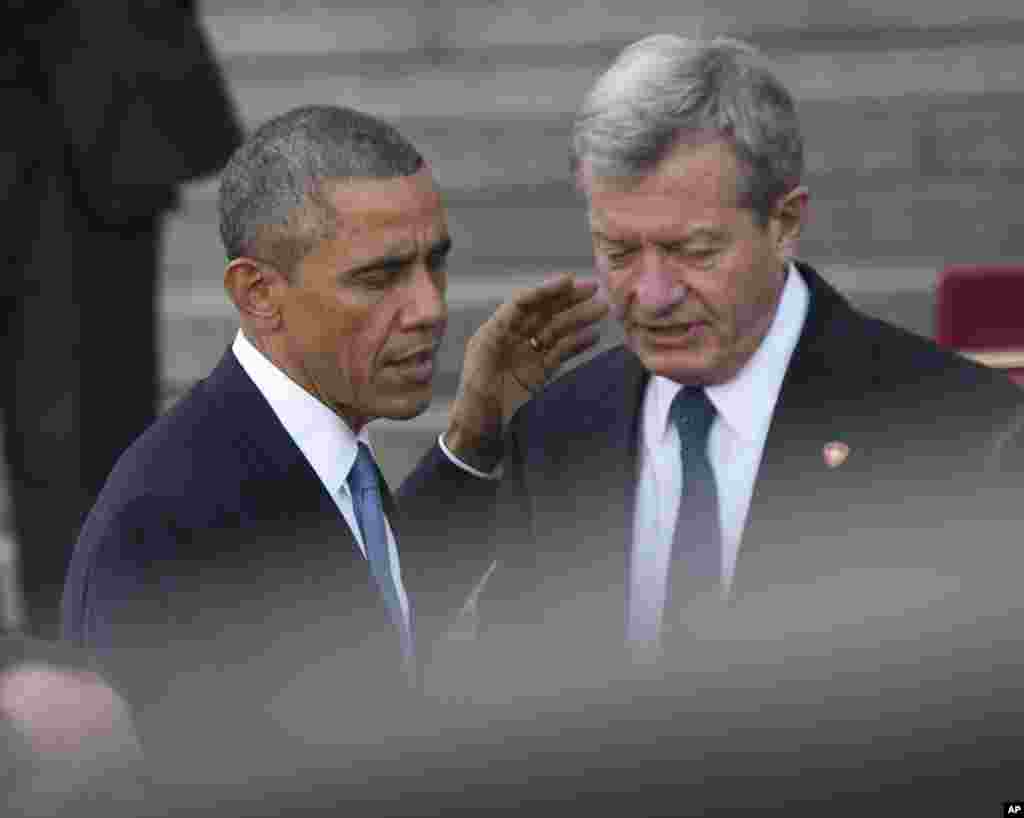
438	248
700	233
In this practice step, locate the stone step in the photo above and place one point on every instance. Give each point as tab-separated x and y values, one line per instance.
582	21
312	27
473	85
268	29
926	134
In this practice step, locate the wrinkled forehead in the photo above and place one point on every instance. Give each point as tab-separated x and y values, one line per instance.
384	220
702	170
691	189
376	204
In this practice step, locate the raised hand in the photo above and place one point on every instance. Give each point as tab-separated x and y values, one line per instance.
513	354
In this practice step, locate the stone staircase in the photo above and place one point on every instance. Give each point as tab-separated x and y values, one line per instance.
911	111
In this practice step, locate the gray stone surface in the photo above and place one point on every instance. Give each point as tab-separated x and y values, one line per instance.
581	21
979	135
237	25
462	85
266	29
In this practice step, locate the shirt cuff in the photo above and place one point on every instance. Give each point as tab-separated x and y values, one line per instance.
492	475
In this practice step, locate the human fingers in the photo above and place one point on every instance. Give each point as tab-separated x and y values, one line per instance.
562	300
550	289
517	317
527	314
570	346
534	310
578	317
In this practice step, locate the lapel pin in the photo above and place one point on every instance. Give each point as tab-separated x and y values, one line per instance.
835	453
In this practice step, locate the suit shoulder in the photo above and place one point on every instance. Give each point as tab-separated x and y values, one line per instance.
907	356
591	378
180	479
193	443
588	400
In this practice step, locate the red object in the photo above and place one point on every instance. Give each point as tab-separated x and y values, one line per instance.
980	312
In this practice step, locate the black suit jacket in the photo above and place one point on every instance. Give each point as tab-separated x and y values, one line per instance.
127	106
918	422
868	650
223	591
141	101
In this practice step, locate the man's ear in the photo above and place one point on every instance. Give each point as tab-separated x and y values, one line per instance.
255	289
788	218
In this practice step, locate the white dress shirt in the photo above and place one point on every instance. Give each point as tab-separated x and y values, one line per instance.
744	408
324	439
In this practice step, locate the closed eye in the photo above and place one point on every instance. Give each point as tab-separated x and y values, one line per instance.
382	276
696	255
618	255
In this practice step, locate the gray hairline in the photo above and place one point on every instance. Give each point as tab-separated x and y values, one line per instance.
663	90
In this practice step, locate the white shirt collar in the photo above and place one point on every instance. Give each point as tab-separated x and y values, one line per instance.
324	438
746	403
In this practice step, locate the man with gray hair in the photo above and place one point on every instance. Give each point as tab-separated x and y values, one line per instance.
755	438
752	421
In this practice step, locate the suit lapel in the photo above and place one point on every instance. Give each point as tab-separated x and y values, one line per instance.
826	372
269	447
284	488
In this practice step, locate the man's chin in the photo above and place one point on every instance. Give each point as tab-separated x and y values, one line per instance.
696	367
409	408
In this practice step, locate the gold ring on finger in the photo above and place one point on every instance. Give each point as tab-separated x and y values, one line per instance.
536	344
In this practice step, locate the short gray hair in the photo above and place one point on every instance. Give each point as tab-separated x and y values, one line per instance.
664	87
272	206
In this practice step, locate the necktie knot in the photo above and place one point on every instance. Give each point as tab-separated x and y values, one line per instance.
693	413
363	475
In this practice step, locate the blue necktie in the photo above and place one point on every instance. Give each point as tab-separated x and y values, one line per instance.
365	483
696	564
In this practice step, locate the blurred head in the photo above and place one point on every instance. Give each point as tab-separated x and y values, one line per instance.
690	156
337	242
63	712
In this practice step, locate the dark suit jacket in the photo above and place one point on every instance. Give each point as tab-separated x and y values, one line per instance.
215	576
918	421
142	103
129	106
110	112
868	646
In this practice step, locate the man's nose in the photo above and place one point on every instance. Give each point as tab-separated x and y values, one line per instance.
426	305
656	289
